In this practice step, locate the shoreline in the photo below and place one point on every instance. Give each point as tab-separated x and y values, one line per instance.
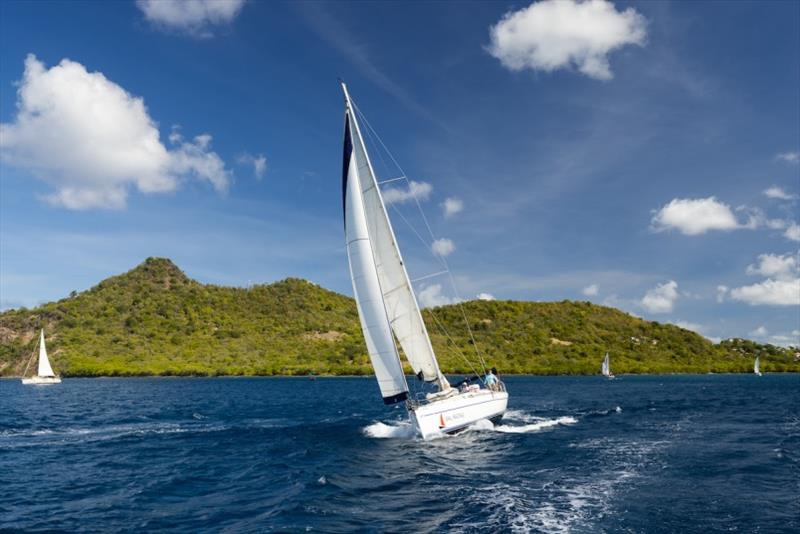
409	377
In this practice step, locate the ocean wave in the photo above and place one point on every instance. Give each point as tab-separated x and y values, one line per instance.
535	427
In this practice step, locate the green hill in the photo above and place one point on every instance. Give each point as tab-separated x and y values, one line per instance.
153	320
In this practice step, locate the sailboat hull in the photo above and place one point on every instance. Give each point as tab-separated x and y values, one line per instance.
41	380
455	413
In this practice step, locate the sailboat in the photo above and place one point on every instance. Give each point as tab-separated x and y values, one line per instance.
44	374
388	308
757	366
605	368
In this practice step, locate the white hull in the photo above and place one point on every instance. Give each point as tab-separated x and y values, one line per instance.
457	412
41	380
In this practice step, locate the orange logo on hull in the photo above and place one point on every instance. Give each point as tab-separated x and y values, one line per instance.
441	421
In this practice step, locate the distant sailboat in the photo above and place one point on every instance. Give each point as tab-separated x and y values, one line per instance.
388	308
757	366
605	368
44	374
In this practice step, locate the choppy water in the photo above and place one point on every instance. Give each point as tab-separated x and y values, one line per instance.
637	454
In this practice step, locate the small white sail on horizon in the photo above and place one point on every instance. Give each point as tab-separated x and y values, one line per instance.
605	367
757	366
387	305
44	373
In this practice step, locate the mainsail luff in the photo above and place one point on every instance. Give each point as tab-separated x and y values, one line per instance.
402	309
44	363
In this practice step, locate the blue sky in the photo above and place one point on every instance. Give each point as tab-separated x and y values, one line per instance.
640	155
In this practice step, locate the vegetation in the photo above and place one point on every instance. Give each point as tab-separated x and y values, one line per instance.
154	320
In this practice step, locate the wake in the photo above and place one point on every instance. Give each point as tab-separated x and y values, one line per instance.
509	425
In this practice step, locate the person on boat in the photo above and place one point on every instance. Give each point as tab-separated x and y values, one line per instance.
490	380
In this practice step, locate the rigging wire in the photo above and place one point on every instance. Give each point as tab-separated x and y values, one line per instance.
441	258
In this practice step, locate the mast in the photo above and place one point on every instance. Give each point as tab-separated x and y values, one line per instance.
402	308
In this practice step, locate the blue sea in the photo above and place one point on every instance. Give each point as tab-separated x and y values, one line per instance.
710	453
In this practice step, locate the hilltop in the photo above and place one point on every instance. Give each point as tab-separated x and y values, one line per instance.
154	320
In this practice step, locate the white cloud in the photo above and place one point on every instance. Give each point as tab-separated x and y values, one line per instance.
191	16
772	265
555	34
92	141
661	299
789	157
485	296
722	292
443	247
770	292
792	233
431	296
778	193
420	190
451	206
761	331
259	163
695	216
591	290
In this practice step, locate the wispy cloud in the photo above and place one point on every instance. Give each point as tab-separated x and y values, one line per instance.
591	290
443	247
789	157
258	163
332	30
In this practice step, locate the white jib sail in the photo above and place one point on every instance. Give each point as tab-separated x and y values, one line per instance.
401	305
366	285
606	368
44	363
756	366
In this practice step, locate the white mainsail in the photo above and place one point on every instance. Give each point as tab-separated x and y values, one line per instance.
757	366
606	368
44	363
400	306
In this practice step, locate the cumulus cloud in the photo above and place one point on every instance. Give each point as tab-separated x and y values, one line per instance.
431	296
792	233
419	190
789	157
485	296
695	216
591	290
773	265
555	34
258	163
443	247
196	17
661	299
777	193
769	293
451	206
781	286
92	141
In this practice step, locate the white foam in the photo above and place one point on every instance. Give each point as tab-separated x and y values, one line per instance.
382	430
536	427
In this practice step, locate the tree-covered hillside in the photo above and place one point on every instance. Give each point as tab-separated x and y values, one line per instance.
153	320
